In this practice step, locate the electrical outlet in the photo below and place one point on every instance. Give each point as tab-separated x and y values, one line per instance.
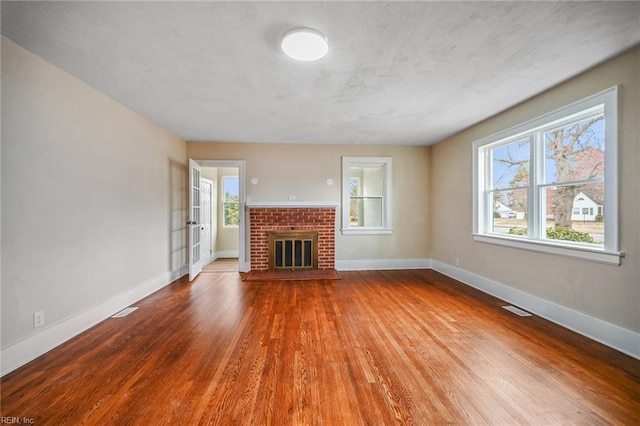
292	197
457	261
38	319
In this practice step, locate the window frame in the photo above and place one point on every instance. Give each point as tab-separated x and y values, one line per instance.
386	167
224	200
610	252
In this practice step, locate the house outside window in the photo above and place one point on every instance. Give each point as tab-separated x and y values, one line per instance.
366	195
543	185
231	201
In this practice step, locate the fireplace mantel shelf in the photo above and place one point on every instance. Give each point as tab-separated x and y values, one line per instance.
280	204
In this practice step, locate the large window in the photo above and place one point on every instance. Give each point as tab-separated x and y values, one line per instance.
551	184
231	201
366	195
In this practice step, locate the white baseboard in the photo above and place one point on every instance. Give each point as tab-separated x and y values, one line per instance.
621	339
26	350
382	264
225	254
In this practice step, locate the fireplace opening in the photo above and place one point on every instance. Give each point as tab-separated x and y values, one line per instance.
292	250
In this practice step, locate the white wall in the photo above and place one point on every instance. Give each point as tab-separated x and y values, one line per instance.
93	205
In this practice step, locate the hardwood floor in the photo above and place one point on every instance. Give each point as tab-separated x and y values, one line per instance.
222	265
375	348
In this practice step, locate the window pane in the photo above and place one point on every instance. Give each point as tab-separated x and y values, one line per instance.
354	187
510	212
231	214
365	190
365	212
366	181
230	189
230	185
510	165
574	213
575	151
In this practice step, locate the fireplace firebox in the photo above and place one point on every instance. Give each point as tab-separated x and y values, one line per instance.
293	250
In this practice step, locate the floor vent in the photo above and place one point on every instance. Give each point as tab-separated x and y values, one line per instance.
125	312
517	311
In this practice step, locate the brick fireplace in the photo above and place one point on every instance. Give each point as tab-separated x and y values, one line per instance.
294	218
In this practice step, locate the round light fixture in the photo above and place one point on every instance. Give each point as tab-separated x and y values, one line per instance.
304	44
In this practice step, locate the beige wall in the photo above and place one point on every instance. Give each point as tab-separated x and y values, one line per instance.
93	198
610	293
302	170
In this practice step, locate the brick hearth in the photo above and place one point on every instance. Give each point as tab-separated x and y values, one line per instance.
263	219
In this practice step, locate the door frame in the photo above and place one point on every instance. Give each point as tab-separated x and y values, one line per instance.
243	265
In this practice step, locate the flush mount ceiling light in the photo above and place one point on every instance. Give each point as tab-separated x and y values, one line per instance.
304	44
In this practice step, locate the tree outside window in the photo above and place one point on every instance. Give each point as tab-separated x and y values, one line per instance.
231	201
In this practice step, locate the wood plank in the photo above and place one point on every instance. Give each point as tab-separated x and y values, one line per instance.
377	347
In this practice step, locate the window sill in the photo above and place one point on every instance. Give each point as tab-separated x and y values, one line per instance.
367	231
584	253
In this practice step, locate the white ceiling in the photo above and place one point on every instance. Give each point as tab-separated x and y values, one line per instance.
408	73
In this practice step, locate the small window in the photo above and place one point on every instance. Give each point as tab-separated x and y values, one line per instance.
366	200
231	201
552	172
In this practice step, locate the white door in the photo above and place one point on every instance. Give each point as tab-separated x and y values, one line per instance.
195	262
206	189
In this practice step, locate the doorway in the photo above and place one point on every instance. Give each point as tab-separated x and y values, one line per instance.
220	217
